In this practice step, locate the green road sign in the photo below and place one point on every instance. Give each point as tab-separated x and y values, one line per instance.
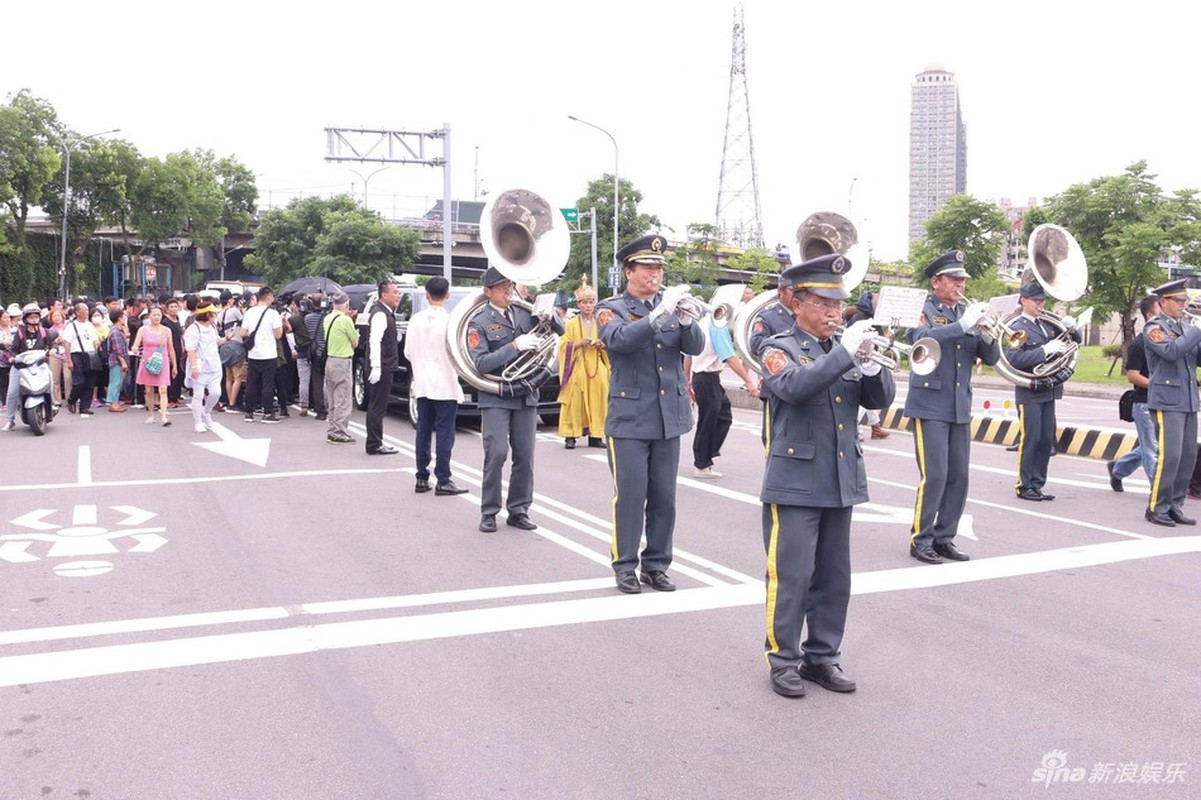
571	214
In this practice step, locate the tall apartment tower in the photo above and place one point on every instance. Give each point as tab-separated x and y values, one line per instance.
937	147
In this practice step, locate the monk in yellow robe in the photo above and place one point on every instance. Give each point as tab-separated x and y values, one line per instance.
583	374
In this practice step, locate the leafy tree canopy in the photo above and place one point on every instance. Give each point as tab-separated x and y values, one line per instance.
631	223
977	228
333	237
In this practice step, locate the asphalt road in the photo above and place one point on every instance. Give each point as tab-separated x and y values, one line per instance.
267	616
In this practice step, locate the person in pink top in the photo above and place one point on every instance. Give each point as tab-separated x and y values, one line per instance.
154	342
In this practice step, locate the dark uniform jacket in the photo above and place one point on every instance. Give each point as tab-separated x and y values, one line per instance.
814	456
945	395
1172	355
1031	355
648	395
772	320
490	340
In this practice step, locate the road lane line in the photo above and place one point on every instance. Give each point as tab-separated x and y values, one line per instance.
223	648
84	463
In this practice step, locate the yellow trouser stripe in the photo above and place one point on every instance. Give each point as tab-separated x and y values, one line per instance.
773	583
920	444
1158	462
613	471
1021	441
766	428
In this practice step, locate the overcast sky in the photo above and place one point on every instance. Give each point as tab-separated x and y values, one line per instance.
1052	94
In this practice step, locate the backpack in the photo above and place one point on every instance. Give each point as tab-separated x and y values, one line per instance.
104	349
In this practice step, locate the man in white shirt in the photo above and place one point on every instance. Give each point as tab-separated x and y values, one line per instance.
81	339
714	416
435	384
261	328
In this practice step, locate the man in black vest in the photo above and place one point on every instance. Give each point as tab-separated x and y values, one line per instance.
383	360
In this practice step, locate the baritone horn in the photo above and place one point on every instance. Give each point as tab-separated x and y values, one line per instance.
887	352
525	237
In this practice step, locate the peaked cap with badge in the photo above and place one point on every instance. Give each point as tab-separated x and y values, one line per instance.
644	250
949	263
1033	291
1172	288
492	277
822	276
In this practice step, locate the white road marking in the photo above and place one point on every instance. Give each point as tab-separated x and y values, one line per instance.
252	451
34	520
223	648
84	515
85	465
253	476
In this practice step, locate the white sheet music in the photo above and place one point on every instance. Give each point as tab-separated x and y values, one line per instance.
899	307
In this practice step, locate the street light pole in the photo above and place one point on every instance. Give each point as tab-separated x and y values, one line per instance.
62	259
616	183
369	177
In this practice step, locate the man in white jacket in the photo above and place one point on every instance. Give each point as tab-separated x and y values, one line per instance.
435	385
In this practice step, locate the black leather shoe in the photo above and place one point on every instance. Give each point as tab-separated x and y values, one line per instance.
1114	483
1160	519
521	521
1045	496
383	450
827	676
786	682
1013	448
595	442
924	552
949	551
628	582
449	488
488	523
1179	518
1030	494
423	486
657	579
569	443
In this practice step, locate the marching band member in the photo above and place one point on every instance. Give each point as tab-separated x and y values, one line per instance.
498	334
1173	352
1036	407
649	409
814	476
940	405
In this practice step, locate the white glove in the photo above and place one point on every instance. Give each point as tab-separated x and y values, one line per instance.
671	297
1069	322
870	369
972	315
373	378
526	341
853	337
1054	347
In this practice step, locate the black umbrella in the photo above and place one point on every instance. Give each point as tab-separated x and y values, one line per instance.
309	285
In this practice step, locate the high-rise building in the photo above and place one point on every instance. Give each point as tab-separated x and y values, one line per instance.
937	147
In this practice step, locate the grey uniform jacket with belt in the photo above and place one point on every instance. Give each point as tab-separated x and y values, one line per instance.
648	396
1172	355
945	395
1031	355
490	339
814	456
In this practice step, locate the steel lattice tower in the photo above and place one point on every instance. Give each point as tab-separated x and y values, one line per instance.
738	218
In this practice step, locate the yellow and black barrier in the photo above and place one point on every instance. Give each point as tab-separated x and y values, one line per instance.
1088	442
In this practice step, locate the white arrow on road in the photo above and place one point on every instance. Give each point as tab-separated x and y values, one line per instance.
253	451
136	515
34	520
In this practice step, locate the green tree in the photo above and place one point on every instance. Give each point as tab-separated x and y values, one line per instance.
977	228
334	237
696	261
240	194
1123	223
631	223
759	261
29	133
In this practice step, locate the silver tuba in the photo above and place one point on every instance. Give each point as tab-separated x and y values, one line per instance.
1057	262
525	237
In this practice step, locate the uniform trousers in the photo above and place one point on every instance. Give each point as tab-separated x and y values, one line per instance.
503	428
713	418
338	395
1177	432
808	582
435	423
378	396
644	486
1034	447
942	461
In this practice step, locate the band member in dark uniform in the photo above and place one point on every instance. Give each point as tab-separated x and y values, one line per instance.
815	474
649	409
497	335
1173	352
940	405
1036	406
383	359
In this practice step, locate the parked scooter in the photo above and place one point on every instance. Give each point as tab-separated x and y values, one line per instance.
35	394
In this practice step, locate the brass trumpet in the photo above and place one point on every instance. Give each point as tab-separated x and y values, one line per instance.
696	309
887	351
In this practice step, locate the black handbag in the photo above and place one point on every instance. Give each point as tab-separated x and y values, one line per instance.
1126	406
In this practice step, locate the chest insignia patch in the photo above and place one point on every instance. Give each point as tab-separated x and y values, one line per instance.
940	320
